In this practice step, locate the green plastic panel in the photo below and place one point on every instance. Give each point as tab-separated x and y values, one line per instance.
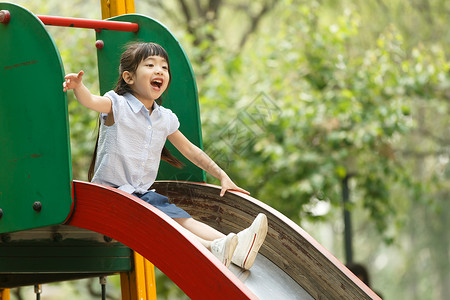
51	258
35	163
181	97
61	249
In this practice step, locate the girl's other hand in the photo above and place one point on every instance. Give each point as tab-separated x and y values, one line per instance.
72	81
228	185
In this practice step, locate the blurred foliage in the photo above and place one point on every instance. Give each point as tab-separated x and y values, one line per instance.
310	112
295	96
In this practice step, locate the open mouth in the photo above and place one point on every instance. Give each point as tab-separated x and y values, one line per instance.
157	83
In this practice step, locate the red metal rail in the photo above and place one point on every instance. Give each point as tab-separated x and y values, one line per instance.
89	23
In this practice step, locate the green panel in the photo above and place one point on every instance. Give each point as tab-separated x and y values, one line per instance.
181	97
35	161
61	249
51	258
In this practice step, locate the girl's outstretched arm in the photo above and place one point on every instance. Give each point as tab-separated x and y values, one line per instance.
202	160
98	103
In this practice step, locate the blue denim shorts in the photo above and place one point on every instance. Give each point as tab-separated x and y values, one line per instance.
162	203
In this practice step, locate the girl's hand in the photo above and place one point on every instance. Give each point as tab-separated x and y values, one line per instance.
228	185
73	81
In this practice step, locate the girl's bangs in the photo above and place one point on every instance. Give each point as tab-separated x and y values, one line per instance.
150	49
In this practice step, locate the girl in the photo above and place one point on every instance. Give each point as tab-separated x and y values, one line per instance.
132	134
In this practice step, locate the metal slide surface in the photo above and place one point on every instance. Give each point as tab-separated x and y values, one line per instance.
269	282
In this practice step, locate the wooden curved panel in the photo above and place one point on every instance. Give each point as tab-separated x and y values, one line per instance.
158	238
287	245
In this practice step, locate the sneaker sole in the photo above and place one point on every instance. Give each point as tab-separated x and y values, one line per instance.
230	250
258	240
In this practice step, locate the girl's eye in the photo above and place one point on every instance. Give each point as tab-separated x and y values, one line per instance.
165	67
150	65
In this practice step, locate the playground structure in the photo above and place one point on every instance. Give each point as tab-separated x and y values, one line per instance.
53	228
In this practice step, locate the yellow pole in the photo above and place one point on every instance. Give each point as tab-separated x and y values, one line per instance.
139	284
112	8
4	294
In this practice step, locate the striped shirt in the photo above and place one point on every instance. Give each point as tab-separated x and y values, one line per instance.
129	151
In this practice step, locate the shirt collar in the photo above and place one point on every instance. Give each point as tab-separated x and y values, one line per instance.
137	105
156	108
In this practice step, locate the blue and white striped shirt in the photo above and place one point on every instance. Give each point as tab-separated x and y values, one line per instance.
129	151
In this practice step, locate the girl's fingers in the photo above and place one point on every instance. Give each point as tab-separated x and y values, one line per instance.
78	75
71	75
222	192
72	79
240	191
237	189
244	191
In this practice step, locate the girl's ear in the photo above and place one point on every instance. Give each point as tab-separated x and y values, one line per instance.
127	77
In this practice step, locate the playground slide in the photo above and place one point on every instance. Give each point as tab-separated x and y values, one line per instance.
291	265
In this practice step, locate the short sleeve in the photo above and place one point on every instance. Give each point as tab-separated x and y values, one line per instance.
115	104
174	124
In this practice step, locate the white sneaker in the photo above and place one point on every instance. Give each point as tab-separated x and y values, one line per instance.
250	240
224	248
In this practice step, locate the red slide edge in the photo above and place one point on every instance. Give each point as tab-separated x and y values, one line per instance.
158	238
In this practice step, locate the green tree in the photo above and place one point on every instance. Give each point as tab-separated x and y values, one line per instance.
332	115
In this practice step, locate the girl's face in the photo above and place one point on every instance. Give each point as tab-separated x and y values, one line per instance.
150	79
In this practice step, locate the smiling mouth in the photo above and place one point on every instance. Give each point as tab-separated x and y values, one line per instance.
157	83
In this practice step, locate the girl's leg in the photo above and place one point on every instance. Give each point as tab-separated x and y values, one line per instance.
220	245
205	233
241	249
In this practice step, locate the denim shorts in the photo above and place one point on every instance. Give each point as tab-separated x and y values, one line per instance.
162	203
